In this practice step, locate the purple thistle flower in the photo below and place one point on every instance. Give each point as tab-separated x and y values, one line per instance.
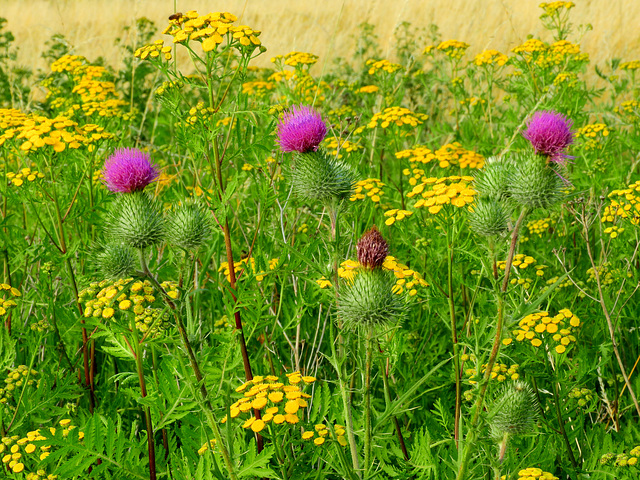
550	134
301	130
129	170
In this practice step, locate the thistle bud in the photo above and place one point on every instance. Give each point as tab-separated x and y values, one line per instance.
515	411
136	220
489	217
493	180
117	261
319	178
189	226
369	300
372	249
535	184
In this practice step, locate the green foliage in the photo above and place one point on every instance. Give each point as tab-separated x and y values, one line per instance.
244	262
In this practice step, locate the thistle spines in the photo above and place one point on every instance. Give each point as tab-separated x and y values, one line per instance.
317	177
188	226
136	220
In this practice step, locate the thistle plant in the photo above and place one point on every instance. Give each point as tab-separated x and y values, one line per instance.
315	176
367	304
514	412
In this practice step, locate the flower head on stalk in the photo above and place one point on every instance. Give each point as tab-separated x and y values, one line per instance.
301	130
372	249
550	134
129	170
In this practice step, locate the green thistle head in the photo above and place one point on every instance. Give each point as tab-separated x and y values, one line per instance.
369	300
515	411
534	183
489	217
493	180
136	220
117	261
316	177
188	226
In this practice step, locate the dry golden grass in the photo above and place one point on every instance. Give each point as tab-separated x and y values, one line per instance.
323	27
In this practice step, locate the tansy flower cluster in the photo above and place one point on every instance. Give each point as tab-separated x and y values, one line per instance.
106	299
320	433
200	114
490	57
211	30
530	47
613	231
398	116
337	146
533	473
211	444
551	8
376	66
500	371
583	395
97	93
522	261
19	452
624	204
277	402
453	190
453	49
294	59
621	459
607	274
7	296
569	79
368	89
155	50
240	267
68	63
451	154
15	380
629	110
281	76
544	55
633	65
368	188
538	328
395	215
540	226
34	132
258	88
406	278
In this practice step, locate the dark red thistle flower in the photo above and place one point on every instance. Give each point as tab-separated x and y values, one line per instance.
301	130
129	170
550	134
372	249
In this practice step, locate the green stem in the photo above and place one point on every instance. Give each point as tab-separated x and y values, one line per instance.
279	452
204	401
472	436
367	402
346	403
147	409
556	401
387	398
454	339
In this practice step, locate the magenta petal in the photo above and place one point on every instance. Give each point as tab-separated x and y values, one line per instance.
301	130
129	170
550	134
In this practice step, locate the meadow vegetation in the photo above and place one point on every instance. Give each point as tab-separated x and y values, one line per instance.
417	262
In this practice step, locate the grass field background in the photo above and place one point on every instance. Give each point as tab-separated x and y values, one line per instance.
325	28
